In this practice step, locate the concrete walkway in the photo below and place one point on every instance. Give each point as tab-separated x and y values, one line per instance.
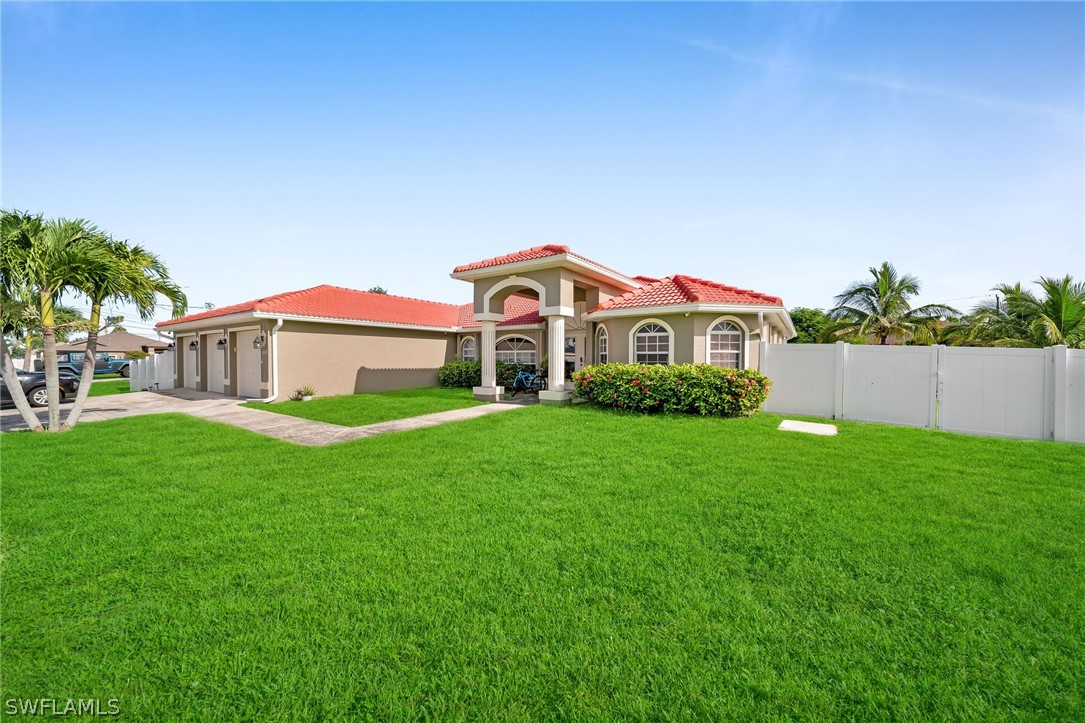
218	408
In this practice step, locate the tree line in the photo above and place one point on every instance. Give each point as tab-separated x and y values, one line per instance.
41	261
878	310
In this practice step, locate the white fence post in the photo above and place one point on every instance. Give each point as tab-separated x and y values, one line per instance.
133	376
938	365
838	379
1061	393
763	357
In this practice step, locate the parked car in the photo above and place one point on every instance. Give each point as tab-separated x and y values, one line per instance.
71	362
33	384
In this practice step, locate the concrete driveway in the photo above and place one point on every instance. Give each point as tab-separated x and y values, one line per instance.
115	406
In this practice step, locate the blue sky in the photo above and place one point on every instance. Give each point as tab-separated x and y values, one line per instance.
262	148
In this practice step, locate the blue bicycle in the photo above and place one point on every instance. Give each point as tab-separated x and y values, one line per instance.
528	382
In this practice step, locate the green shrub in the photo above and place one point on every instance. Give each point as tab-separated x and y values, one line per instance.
469	373
460	374
136	355
686	388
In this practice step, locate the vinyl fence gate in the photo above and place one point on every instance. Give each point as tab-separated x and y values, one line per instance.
1016	393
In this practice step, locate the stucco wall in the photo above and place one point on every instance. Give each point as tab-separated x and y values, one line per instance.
689	337
342	359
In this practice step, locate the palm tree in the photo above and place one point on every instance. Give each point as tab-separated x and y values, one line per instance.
1023	319
49	257
125	274
880	309
23	319
11	310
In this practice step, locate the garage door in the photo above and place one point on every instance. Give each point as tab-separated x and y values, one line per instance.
248	365
216	363
190	362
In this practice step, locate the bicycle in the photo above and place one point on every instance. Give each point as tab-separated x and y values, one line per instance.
528	382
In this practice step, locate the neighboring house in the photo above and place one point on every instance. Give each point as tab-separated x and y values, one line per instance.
540	302
118	344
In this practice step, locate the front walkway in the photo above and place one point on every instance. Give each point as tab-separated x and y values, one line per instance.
219	408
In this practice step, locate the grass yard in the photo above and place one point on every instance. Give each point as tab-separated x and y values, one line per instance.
546	563
105	388
355	410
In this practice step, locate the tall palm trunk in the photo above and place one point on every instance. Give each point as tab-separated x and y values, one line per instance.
11	381
87	375
49	349
27	357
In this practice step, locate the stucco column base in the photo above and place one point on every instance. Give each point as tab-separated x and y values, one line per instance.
556	398
488	394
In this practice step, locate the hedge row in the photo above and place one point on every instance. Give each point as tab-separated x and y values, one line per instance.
469	373
686	388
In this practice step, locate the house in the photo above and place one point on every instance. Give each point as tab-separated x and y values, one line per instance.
545	301
118	344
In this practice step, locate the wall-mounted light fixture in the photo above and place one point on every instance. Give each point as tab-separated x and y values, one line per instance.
169	347
259	342
193	345
221	343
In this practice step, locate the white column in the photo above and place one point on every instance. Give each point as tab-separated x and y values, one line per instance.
556	351
489	354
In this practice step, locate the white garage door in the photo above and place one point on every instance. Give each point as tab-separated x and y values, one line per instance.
216	363
190	362
248	365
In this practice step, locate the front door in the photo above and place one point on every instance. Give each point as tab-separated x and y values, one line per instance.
574	353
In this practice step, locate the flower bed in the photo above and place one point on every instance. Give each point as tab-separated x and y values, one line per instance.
686	388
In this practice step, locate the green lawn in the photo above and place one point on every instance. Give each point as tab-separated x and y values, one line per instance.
354	410
104	388
546	563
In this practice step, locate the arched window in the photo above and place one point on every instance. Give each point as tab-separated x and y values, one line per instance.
516	350
725	345
652	344
602	345
468	349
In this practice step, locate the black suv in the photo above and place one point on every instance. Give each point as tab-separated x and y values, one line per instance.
33	384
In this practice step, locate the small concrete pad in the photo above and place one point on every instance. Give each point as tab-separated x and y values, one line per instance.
791	425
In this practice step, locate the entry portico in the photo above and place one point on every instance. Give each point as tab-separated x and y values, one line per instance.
565	285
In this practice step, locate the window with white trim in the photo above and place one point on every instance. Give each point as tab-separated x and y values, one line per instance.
602	345
725	345
468	350
515	350
652	344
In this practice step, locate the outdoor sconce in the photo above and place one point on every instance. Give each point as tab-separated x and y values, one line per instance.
193	345
258	342
221	343
169	347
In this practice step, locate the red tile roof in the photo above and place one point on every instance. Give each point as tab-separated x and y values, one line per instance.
687	290
535	252
335	302
518	310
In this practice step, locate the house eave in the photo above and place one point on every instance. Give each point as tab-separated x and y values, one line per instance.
353	322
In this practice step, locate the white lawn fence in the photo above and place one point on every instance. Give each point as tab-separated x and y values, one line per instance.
154	373
1018	393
